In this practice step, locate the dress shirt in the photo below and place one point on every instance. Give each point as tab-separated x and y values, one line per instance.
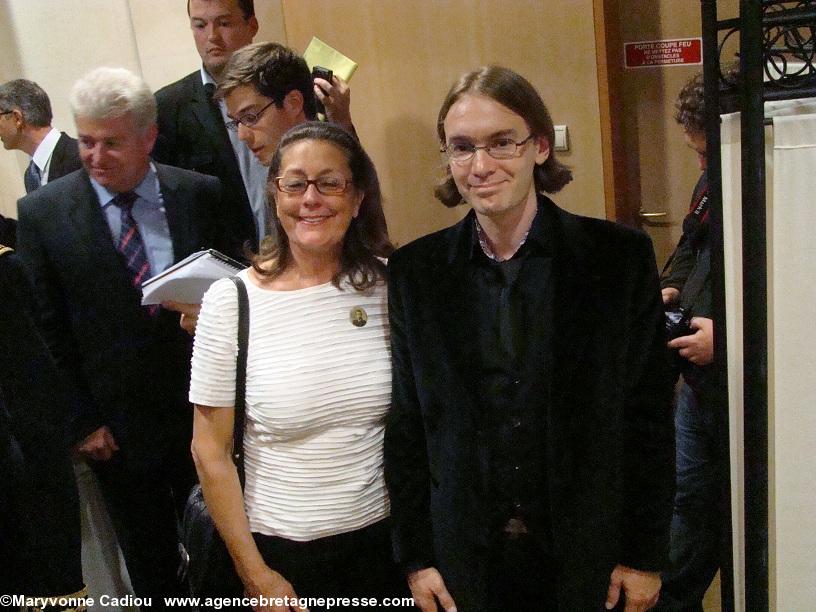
253	171
150	216
42	155
513	302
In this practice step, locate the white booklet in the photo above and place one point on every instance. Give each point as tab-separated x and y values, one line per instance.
189	279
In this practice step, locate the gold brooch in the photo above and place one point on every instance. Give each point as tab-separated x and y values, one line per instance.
358	316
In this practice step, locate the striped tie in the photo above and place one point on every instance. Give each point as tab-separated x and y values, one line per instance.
32	177
130	243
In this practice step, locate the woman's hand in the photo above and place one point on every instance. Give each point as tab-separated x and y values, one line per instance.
269	584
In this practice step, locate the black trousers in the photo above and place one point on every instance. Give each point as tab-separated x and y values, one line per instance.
522	577
40	541
145	508
354	564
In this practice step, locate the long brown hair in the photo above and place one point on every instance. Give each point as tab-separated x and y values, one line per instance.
366	242
512	90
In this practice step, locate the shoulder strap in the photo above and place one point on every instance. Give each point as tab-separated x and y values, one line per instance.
240	378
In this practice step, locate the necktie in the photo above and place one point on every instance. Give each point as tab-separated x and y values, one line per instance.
130	243
32	177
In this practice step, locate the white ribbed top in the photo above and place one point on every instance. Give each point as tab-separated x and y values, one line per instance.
317	392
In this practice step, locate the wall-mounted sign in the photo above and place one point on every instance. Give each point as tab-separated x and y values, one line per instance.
675	52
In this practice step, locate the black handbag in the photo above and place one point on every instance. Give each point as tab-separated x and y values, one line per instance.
205	559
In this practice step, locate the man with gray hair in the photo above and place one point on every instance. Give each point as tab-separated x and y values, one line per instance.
25	124
89	243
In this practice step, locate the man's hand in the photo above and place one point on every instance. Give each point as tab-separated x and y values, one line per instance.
670	295
189	314
271	585
698	348
99	445
336	98
427	587
641	589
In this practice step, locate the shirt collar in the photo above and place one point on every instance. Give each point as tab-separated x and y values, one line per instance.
205	76
45	149
147	190
539	236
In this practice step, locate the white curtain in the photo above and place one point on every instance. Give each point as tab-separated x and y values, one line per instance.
792	361
790	162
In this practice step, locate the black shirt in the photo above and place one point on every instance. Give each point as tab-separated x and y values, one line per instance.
512	314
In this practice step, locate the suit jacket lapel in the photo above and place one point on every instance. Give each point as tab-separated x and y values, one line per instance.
57	157
209	115
177	211
577	304
90	234
458	327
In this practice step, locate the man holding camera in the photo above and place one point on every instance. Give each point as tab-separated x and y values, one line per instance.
686	290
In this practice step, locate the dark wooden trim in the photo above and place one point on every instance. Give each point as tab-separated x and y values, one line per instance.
608	59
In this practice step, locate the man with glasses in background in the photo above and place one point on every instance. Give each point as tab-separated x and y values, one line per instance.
192	131
266	89
25	125
529	448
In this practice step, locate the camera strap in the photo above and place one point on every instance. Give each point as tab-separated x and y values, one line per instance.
699	201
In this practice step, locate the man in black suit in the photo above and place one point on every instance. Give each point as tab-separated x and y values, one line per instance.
89	242
529	449
191	126
39	508
25	124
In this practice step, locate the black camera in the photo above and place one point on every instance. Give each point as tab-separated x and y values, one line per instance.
678	323
319	72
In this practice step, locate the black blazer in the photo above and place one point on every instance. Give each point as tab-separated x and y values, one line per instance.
65	158
192	135
609	439
131	370
39	507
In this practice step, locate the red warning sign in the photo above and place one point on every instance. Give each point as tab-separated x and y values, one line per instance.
677	52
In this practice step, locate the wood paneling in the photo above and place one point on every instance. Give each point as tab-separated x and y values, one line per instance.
409	55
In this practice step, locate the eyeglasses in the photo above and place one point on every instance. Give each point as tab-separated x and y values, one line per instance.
327	185
247	119
498	148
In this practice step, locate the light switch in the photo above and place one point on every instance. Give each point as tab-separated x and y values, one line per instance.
561	138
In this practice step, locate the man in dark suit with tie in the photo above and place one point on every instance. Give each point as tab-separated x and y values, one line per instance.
191	125
89	242
529	449
25	124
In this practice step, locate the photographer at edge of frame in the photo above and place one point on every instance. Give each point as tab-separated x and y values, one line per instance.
686	291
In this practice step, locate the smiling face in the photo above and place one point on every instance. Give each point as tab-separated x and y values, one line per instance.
316	224
263	137
114	152
494	188
219	29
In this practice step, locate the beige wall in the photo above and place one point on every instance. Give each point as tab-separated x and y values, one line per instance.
54	42
409	55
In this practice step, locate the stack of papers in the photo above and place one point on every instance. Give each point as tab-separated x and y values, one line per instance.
188	280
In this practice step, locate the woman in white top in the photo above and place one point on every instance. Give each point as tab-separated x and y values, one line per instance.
313	517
